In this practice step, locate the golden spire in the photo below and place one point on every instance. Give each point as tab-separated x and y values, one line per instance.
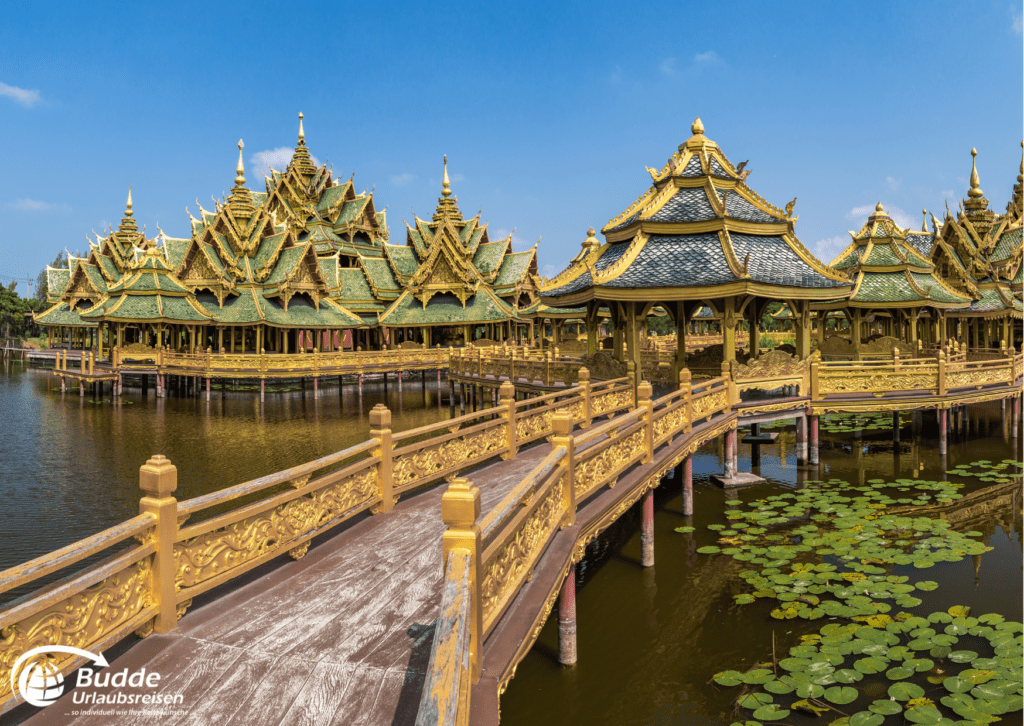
697	128
301	160
447	205
445	184
302	133
240	169
924	220
128	207
975	191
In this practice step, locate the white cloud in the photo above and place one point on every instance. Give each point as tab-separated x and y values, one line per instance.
706	58
827	250
668	66
519	243
893	183
34	205
23	96
277	159
860	213
402	179
548	271
1018	24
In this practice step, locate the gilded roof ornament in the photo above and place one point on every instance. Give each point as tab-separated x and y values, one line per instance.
924	220
975	191
697	128
302	132
240	169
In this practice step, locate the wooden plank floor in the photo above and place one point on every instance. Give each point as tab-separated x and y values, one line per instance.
342	636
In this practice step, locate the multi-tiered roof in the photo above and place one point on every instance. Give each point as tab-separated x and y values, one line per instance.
698	232
890	272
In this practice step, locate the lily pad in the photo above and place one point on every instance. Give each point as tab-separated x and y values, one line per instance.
754	701
841	695
885	707
905	691
771	712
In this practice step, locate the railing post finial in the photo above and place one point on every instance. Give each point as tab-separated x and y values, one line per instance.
583	376
460	509
380	429
644	392
507	399
158	478
561	426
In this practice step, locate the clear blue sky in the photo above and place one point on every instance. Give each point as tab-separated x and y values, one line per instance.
548	112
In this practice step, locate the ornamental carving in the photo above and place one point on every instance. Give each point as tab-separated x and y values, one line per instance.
709	403
596	469
774	364
78	621
671	423
849	382
836	347
434	460
502	575
605	402
208	555
200	269
532	426
883	345
959	379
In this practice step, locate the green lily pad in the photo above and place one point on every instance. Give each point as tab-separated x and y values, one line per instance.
758	676
962	656
840	695
905	691
898	673
771	712
867	718
871	664
754	701
685	529
728	678
847	675
885	707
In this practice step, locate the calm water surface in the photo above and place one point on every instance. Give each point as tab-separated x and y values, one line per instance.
650	639
69	466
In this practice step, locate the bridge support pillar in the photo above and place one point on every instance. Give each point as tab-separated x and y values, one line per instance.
812	444
263	389
207	389
316	388
63	384
685	472
567	619
81	387
801	439
1015	419
895	427
730	454
943	430
755	448
647	531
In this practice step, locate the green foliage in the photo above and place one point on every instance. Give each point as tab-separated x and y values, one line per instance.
661	324
13	323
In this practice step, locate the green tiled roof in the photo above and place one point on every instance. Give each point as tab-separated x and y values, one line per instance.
513	267
403	258
57	280
852	258
990	301
175	250
935	291
351	210
60	314
885	287
417	241
353	285
329	269
445	309
108	266
882	255
1004	247
322	233
331	196
285	264
302	312
488	257
149	308
380	272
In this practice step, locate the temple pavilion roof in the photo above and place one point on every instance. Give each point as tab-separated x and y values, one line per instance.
888	271
699	231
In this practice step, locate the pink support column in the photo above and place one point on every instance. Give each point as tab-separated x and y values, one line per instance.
730	454
316	388
812	453
263	384
647	531
943	430
207	389
687	468
801	439
1015	419
567	619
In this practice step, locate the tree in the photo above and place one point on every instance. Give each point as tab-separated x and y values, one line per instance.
42	288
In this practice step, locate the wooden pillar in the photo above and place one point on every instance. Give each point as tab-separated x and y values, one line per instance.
567	654
686	472
943	430
801	439
729	331
633	341
730	453
647	530
754	324
592	327
680	359
812	453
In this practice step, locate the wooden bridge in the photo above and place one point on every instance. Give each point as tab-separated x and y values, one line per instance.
415	603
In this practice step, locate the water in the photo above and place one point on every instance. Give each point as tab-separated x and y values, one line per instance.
69	466
650	639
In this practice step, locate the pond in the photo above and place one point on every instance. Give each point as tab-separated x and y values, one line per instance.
69	465
651	640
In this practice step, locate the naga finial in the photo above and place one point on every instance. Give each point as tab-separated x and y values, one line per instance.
789	207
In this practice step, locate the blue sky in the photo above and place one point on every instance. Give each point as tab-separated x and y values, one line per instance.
548	112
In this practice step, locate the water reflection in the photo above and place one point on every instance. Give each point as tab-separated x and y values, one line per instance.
69	465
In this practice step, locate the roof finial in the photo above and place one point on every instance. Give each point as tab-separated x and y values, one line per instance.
128	207
697	127
878	208
975	191
302	133
240	169
445	184
924	220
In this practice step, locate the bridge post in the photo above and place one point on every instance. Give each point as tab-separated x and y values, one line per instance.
730	454
895	427
644	392
647	531
158	478
685	471
1015	418
460	508
263	388
943	427
507	398
380	422
942	374
561	424
687	389
584	379
567	654
812	452
801	439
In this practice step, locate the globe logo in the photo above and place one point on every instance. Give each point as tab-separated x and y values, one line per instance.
42	683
